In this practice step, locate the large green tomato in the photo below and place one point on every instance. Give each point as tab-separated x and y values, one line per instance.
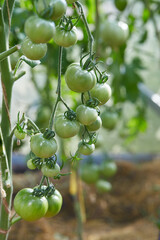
85	148
96	125
50	172
103	186
66	128
79	80
89	173
65	38
86	115
42	147
57	8
28	206
114	33
108	168
120	4
109	119
39	30
102	92
54	204
33	51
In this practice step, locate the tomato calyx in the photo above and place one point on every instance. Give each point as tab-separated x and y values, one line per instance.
90	62
66	23
92	102
48	134
70	114
37	162
50	162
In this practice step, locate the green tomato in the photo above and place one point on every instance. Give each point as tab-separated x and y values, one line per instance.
50	172
103	186
28	206
66	128
79	80
57	8
39	30
108	168
109	119
96	125
33	51
65	38
85	148
86	115
30	164
114	33
120	4
101	91
19	135
42	147
71	1
89	173
54	204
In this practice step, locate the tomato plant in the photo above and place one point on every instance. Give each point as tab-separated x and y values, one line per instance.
39	30
86	148
28	206
65	38
86	115
101	91
50	171
79	80
109	119
30	164
89	173
96	125
19	134
33	51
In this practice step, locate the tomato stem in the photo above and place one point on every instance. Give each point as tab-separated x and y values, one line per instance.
8	52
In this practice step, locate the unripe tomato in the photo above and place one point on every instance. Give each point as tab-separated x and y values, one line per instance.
86	115
66	128
65	38
103	186
79	80
57	8
85	148
89	173
96	125
109	119
19	135
30	164
108	169
28	206
114	33
42	147
101	91
33	51
120	4
54	204
50	172
39	30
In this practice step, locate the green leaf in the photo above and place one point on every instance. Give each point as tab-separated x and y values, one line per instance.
145	15
31	63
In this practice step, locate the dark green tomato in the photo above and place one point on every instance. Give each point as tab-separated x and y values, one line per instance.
57	8
120	4
103	186
96	125
102	92
108	168
19	135
86	115
64	37
109	119
54	204
30	164
114	33
50	172
89	173
85	148
28	206
33	51
79	80
39	30
66	128
42	147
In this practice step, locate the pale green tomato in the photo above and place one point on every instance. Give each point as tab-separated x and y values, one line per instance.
19	135
103	186
101	91
79	80
50	172
54	204
85	148
89	173
86	115
64	37
30	164
66	128
109	119
95	125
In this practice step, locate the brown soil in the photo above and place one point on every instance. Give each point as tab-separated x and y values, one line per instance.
127	213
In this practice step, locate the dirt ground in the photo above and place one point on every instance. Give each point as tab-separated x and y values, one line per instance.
128	212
